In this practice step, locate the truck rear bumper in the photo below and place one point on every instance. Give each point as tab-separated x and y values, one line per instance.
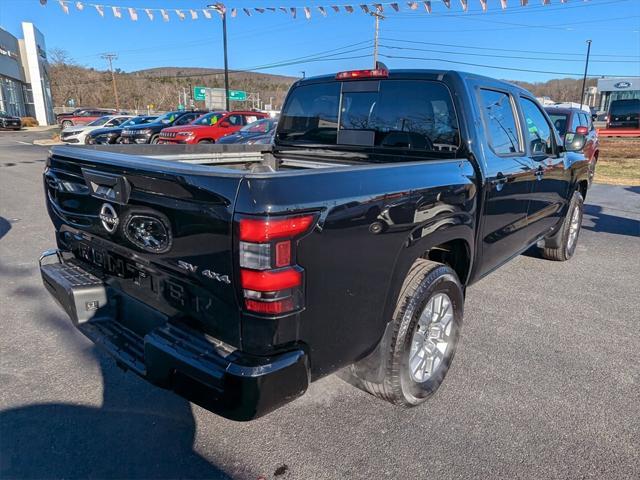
171	354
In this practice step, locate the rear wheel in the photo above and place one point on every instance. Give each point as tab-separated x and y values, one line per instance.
567	236
426	329
206	140
155	139
66	124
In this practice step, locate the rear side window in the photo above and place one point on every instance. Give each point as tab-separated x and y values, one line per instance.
625	107
500	118
575	122
398	114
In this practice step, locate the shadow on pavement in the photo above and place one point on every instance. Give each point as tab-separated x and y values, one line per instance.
633	189
138	432
603	222
5	226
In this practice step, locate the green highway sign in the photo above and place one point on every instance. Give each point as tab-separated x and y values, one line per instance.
238	95
199	93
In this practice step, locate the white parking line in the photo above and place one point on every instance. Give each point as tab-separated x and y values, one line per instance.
24	143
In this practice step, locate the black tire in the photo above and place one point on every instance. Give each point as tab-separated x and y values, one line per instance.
87	140
566	248
66	124
206	141
424	280
154	139
592	169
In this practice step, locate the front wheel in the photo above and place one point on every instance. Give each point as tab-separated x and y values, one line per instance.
205	141
567	236
426	328
155	139
66	124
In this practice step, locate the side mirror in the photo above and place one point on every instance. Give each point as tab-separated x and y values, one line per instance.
225	124
594	117
581	130
574	142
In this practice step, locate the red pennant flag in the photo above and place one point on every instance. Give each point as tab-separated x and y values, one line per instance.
271	9
335	8
284	10
259	10
464	4
427	6
447	3
483	3
413	5
379	7
503	4
524	3
364	8
294	12
307	12
348	8
395	6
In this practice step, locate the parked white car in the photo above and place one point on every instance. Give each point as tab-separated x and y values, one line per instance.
78	134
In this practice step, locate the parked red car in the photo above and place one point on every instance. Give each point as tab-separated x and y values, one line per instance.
209	127
82	116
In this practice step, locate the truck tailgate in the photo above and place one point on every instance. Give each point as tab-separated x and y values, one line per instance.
160	235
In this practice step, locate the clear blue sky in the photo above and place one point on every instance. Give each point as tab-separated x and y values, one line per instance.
545	38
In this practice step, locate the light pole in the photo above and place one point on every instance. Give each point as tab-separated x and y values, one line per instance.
222	10
584	78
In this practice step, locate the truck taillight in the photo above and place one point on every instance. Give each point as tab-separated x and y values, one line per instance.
272	283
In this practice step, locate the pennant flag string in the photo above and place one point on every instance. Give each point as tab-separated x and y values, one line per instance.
220	8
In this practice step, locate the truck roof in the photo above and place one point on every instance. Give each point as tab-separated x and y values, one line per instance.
423	74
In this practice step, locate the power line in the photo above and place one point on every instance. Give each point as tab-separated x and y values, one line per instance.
471	47
572	74
516	57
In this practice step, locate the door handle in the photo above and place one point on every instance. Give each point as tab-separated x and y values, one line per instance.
500	181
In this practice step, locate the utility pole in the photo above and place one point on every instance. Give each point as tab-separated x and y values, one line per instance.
222	10
584	78
110	57
378	17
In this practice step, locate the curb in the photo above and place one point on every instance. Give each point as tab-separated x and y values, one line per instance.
47	142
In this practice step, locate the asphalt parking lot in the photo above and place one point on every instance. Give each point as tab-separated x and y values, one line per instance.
546	382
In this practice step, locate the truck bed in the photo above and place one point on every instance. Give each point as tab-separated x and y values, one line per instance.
230	159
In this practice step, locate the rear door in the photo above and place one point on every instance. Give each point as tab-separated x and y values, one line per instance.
552	176
510	179
164	238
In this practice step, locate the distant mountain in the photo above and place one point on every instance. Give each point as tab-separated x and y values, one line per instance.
163	88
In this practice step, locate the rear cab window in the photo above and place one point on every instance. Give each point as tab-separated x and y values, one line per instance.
382	114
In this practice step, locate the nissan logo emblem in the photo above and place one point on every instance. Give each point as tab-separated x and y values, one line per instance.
109	217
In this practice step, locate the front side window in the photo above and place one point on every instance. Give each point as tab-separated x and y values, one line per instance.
500	118
538	130
575	122
185	119
208	119
235	120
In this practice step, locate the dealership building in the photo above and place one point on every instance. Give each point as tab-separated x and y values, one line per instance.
617	88
25	89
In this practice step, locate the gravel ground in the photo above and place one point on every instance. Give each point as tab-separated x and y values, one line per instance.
545	383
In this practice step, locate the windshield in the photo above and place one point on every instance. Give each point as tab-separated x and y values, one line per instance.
260	126
625	107
168	117
399	114
100	121
560	122
4	115
137	121
208	119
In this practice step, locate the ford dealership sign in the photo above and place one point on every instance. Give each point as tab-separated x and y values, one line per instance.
622	84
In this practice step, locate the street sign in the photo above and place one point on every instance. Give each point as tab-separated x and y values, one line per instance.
199	93
237	95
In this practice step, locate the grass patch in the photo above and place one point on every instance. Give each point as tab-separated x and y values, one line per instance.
619	161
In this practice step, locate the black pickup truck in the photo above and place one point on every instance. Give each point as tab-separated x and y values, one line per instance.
236	275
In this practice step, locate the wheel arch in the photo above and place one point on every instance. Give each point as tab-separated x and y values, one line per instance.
452	247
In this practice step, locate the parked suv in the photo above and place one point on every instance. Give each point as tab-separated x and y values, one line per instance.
9	121
110	135
149	133
78	134
83	116
210	127
624	114
571	121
